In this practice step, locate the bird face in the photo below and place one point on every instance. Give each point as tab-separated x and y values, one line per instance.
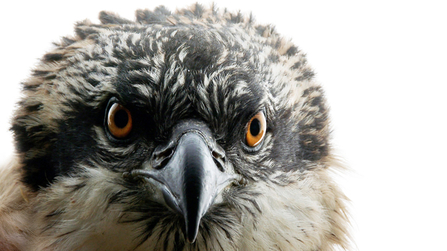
182	131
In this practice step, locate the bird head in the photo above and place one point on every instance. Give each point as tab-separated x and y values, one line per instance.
178	131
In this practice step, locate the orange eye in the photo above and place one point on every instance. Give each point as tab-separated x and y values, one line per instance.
256	128
119	121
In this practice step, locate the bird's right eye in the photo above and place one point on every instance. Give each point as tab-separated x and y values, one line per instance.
119	121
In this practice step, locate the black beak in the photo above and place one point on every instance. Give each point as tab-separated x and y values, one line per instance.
190	169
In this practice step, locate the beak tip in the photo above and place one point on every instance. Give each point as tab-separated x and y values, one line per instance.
191	232
191	239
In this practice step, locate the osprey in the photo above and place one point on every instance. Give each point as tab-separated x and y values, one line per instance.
193	130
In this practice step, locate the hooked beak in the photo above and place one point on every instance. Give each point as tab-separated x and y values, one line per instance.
190	170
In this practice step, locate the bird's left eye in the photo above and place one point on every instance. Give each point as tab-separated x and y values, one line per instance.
119	121
256	129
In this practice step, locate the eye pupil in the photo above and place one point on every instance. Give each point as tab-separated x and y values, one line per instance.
121	119
255	127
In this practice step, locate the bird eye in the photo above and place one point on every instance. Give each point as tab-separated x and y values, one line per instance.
256	128
119	121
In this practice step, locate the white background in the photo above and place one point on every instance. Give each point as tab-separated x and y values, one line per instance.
383	65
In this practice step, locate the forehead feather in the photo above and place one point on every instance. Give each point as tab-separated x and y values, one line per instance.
207	49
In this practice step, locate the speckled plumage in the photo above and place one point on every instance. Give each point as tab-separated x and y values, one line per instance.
66	190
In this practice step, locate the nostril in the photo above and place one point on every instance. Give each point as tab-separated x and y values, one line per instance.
164	154
161	158
216	155
219	160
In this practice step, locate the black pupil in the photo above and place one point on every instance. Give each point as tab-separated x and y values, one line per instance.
121	118
255	127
